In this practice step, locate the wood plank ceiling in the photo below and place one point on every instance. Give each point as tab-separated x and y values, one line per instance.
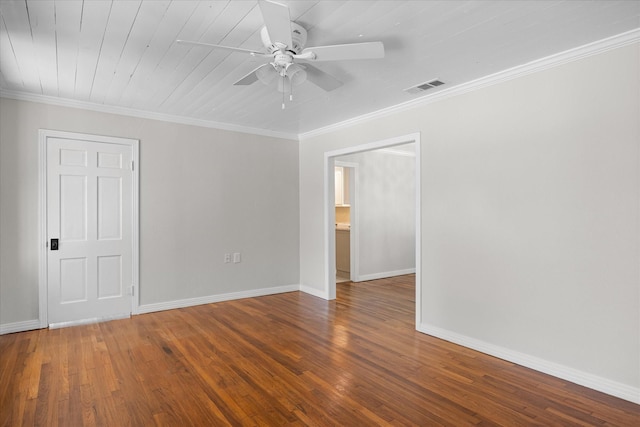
123	53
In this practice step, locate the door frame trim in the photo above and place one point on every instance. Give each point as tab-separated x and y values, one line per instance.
330	214
43	136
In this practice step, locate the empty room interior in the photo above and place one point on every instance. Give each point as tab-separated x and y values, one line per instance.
350	213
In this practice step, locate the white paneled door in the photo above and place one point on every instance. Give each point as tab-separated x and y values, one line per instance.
89	215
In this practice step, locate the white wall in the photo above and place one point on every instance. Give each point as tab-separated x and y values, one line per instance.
203	193
530	217
386	213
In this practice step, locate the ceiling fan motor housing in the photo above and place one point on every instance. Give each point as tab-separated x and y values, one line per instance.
298	37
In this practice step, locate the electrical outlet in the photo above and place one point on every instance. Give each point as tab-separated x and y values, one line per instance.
227	258
236	257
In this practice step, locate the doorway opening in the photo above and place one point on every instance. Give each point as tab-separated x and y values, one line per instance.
333	159
346	250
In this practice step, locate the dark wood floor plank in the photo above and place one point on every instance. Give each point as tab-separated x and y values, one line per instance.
282	360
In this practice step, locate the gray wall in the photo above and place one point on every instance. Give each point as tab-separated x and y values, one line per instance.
530	210
386	209
530	214
203	193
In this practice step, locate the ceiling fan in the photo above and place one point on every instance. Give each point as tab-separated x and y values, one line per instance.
284	42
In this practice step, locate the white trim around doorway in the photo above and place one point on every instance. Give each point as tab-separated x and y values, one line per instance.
329	212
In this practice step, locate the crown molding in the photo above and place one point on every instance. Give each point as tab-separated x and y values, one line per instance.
551	61
131	112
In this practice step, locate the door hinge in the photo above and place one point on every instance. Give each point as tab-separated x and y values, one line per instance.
132	291
132	168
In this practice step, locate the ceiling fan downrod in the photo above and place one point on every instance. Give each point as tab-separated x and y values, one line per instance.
283	86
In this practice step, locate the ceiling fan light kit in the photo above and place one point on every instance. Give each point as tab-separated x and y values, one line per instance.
284	42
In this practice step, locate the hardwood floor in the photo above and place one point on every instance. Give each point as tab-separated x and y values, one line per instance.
287	359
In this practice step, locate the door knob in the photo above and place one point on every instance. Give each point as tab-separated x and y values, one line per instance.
54	244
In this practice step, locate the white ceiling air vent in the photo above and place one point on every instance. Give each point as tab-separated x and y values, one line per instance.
424	86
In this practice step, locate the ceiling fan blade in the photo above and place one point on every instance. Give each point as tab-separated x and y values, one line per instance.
321	79
276	19
340	52
250	78
217	46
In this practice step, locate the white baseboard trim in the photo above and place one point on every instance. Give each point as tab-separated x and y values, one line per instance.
27	325
189	302
384	275
594	382
313	291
